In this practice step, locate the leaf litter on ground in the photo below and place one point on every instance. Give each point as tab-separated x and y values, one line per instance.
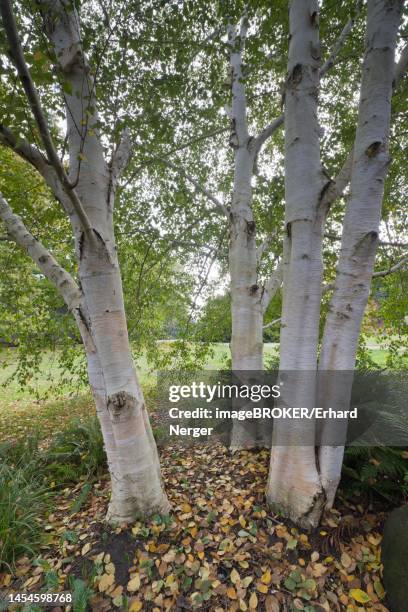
221	548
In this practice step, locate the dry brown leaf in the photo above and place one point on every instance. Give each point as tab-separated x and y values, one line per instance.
272	604
231	593
346	560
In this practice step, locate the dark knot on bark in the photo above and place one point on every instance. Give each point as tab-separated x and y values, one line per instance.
120	405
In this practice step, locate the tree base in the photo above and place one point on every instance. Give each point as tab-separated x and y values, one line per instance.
127	513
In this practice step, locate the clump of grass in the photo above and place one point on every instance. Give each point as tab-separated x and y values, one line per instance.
26	472
23	500
75	452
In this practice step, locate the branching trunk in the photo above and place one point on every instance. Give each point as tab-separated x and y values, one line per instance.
361	222
134	461
87	195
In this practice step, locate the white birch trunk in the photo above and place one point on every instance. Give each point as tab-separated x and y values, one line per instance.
246	294
361	222
246	310
294	485
134	459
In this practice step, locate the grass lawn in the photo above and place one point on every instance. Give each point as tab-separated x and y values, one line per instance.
47	403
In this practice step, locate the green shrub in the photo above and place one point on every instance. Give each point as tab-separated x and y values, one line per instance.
23	499
76	451
380	472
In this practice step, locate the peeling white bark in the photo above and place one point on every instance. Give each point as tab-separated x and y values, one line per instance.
361	221
294	485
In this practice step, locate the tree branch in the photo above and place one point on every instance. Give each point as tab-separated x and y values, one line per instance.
23	148
239	131
60	278
266	133
271	323
218	204
274	281
181	147
401	264
17	56
338	45
34	157
335	187
120	158
385	243
379	274
265	244
272	285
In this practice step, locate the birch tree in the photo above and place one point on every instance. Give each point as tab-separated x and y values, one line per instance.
87	194
254	279
300	484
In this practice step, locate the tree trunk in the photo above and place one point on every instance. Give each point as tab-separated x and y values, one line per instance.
246	294
247	318
294	485
133	457
361	221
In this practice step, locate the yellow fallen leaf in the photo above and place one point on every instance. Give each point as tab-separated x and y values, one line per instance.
105	581
235	577
253	601
135	606
117	592
242	605
134	584
360	596
85	549
379	589
169	580
247	581
110	568
262	588
266	577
